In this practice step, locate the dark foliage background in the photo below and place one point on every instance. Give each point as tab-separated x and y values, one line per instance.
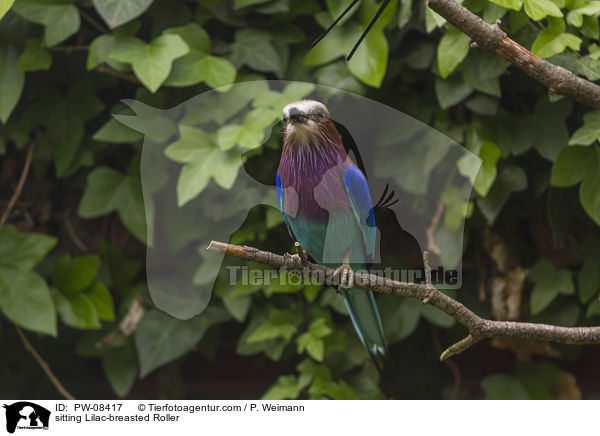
72	252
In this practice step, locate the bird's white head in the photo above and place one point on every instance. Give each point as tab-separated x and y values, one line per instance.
304	119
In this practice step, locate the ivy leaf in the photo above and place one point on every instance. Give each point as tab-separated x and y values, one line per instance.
65	117
5	6
503	387
117	12
12	81
285	388
511	178
552	41
76	310
589	132
549	283
99	53
538	9
239	4
452	49
102	300
312	340
253	47
335	45
203	161
400	316
451	91
576	164
369	62
26	300
22	251
120	366
151	62
109	190
160	338
59	20
74	275
509	4
198	65
35	57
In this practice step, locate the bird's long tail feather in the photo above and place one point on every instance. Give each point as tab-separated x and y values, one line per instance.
367	323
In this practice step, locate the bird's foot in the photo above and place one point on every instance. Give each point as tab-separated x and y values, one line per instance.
346	274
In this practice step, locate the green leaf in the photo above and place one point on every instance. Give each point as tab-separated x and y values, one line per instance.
22	251
101	298
569	166
35	57
576	164
400	316
74	275
452	49
538	9
548	285
109	190
26	300
451	91
203	161
195	68
589	132
239	4
59	20
369	62
5	6
503	387
253	47
552	41
117	133
160	338
335	45
312	340
99	53
285	388
314	346
64	117
12	81
509	4
198	66
120	367
76	310
117	12
151	62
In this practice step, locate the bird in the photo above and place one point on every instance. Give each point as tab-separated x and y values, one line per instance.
326	206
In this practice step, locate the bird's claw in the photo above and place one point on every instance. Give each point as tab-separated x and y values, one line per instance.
346	274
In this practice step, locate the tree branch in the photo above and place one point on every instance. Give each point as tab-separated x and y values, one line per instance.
478	328
491	38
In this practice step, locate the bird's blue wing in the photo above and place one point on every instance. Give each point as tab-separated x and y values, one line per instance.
280	201
360	199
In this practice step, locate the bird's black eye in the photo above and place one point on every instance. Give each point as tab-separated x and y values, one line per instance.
319	111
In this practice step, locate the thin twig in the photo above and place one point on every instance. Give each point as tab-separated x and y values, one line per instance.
478	328
55	381
128	77
20	184
491	38
73	234
435	221
13	199
99	27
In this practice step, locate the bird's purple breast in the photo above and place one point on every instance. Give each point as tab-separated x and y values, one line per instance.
313	181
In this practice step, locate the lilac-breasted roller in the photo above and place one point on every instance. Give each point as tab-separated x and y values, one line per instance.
325	202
